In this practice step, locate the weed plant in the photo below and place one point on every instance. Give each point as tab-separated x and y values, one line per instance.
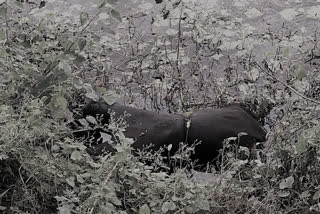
48	67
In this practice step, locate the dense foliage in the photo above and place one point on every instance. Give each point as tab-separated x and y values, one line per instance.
48	69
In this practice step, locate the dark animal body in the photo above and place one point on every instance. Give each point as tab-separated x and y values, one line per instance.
145	127
207	126
212	126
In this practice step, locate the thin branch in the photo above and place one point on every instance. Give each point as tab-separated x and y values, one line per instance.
286	85
102	186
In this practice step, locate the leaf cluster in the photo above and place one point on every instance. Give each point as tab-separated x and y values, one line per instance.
44	169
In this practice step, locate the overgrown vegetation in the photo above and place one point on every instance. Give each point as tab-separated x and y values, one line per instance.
47	67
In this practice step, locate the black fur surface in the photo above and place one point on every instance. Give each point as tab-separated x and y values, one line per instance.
208	126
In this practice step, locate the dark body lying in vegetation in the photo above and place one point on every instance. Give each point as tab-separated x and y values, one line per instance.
212	126
208	126
145	127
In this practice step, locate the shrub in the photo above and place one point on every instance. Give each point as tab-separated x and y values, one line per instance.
44	169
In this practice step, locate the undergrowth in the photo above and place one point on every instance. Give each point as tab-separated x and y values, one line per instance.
47	67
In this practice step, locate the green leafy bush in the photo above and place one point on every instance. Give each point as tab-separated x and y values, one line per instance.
44	169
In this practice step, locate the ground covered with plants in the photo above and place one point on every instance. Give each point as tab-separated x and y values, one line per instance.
49	69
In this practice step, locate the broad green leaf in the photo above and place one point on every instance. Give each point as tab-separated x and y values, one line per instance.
107	208
94	164
60	102
122	156
300	72
91	120
115	14
55	148
286	52
203	204
316	195
110	97
3	53
70	181
79	60
302	144
76	155
144	209
58	106
19	4
289	13
168	206
80	179
66	209
306	194
107	29
307	137
82	43
77	83
283	194
287	183
114	200
2	35
92	96
84	16
301	85
84	122
65	67
105	137
254	74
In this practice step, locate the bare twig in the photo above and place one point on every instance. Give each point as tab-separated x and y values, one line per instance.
102	186
267	71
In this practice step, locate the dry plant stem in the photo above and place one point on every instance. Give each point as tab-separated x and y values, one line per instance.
26	188
178	57
286	85
101	187
4	193
91	20
179	38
